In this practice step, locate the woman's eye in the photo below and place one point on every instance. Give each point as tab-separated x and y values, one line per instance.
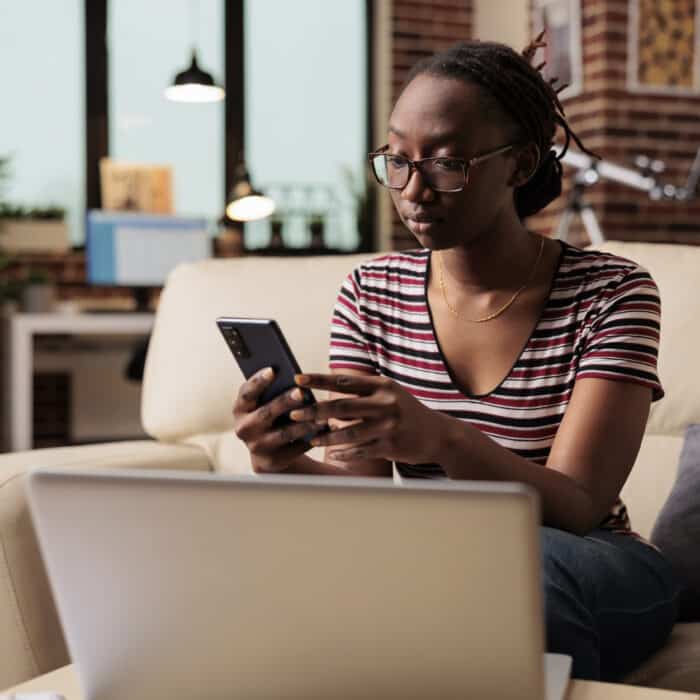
448	164
397	162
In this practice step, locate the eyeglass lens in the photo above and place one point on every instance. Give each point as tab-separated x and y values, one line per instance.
440	173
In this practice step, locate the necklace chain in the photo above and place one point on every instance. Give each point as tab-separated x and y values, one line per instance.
505	306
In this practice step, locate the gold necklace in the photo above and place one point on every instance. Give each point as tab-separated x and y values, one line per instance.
505	306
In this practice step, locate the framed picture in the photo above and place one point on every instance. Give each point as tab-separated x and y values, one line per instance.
561	21
663	50
138	187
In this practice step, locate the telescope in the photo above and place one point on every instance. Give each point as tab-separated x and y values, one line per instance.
645	179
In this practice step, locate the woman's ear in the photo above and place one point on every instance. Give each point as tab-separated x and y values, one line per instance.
527	160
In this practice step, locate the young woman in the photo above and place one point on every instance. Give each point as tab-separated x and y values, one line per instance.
492	353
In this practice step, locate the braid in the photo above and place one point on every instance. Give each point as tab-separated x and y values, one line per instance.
528	100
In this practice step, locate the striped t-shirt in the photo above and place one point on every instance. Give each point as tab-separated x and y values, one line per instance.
601	320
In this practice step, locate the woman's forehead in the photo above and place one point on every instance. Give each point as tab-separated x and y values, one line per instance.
436	108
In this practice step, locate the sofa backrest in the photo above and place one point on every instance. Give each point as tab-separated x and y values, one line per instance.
191	379
676	270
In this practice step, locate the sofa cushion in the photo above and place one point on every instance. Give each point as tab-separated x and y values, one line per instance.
675	270
676	666
677	529
651	480
31	641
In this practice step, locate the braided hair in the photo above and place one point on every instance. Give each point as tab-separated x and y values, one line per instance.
518	88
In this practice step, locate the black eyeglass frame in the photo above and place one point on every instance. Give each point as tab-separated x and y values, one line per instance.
415	165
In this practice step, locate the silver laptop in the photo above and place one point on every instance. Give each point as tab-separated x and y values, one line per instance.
177	587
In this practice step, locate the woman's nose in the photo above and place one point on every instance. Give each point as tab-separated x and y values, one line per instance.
416	189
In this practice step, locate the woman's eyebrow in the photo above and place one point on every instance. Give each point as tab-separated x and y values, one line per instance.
436	137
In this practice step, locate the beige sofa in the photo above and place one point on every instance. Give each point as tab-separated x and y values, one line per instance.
188	391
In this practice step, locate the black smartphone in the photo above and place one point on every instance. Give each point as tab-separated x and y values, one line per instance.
258	343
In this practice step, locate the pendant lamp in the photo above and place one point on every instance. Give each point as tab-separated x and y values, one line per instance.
245	203
194	85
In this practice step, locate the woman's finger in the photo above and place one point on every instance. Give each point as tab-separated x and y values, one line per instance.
361	432
274	440
251	389
368	450
266	414
345	409
361	385
279	461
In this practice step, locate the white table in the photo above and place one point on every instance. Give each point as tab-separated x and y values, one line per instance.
65	681
20	330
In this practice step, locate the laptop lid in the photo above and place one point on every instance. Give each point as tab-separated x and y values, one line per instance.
211	586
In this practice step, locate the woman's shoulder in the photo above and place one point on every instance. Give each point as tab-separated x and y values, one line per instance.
590	268
392	267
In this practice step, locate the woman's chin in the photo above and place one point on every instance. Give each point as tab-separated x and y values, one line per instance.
425	232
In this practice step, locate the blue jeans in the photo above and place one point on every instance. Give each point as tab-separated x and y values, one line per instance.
610	601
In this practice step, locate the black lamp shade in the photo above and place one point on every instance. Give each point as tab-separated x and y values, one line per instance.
194	85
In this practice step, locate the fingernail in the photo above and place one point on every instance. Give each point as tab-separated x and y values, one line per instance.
297	395
301	379
315	442
268	372
296	414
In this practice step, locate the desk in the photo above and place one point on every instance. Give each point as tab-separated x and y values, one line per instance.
20	330
65	681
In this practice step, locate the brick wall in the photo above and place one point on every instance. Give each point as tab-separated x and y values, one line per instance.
419	28
612	121
618	125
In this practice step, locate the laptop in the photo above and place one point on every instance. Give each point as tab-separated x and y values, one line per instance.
180	586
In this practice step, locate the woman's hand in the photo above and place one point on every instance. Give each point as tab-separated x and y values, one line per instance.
391	423
272	449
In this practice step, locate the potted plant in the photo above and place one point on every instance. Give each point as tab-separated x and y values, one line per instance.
317	225
37	292
9	289
363	194
33	229
276	226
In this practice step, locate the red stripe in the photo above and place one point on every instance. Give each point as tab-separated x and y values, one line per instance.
615	376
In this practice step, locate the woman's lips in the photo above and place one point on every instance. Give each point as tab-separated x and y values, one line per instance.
422	225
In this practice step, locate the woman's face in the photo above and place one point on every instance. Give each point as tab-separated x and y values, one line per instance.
436	116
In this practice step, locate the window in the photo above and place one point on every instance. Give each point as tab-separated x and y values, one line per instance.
43	114
148	42
306	113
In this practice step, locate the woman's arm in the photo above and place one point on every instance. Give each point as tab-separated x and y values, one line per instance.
593	452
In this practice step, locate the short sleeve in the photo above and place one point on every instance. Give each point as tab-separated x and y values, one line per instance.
622	340
349	348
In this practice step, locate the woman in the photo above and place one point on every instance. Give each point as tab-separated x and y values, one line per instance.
492	353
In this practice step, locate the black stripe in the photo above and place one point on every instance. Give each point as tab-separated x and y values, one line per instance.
613	344
629	371
338	312
629	321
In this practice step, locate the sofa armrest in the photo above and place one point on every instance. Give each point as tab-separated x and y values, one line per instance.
31	641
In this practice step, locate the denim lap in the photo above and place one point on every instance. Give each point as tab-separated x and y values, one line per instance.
610	601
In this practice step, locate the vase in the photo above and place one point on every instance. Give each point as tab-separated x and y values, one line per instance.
38	298
317	231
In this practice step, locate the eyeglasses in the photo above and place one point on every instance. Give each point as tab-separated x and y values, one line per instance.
440	174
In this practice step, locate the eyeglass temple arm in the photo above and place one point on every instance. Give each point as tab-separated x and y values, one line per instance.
486	156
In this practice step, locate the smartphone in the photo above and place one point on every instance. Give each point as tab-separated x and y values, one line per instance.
258	343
